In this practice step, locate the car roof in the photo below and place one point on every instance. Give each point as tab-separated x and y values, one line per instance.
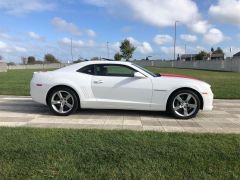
77	66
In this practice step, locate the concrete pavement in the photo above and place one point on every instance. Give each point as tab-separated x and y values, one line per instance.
23	112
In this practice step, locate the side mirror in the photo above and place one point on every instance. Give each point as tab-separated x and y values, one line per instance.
139	75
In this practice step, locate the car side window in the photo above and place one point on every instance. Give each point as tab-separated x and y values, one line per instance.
87	70
114	70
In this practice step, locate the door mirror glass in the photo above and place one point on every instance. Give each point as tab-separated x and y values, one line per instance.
139	75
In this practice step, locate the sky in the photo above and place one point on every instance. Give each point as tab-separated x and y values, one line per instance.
37	27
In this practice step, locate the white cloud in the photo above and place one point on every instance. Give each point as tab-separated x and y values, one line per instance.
142	47
157	13
19	7
188	38
162	39
145	48
213	36
200	26
91	33
20	49
34	35
164	13
226	11
77	43
5	48
4	36
65	26
170	50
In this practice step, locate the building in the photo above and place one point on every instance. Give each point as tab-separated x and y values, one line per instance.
188	57
216	56
237	55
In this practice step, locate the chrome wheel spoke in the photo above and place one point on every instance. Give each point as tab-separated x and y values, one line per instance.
177	108
179	99
56	102
185	112
61	108
68	97
60	95
69	105
188	98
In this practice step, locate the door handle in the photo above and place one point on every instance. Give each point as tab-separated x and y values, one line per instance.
98	82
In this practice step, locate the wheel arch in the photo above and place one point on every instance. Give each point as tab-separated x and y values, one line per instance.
58	86
186	88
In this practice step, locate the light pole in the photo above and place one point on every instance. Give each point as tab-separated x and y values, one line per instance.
72	50
108	50
175	38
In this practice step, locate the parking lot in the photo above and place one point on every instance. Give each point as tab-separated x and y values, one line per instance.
23	112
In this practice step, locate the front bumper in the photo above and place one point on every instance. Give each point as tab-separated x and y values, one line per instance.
208	101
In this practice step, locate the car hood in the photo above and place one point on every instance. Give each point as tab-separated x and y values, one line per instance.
173	81
178	76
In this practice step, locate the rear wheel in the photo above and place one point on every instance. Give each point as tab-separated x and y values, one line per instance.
63	101
184	104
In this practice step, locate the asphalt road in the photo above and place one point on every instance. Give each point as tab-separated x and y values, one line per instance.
23	112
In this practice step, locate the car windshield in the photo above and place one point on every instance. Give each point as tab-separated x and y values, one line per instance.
147	71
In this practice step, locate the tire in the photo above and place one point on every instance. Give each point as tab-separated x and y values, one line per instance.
63	101
184	104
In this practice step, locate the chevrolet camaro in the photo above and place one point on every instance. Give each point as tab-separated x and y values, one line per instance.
119	85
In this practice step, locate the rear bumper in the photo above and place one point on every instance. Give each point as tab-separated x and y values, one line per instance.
39	93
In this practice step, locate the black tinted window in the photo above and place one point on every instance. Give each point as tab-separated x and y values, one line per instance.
87	70
114	70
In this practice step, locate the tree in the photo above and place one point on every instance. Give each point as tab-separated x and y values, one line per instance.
212	49
49	58
201	56
117	57
31	60
127	49
95	59
219	51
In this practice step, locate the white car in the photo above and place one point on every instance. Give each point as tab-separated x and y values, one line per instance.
119	85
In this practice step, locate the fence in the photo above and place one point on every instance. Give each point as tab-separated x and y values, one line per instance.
3	67
232	65
37	66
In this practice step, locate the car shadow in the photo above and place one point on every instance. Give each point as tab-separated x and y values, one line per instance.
31	108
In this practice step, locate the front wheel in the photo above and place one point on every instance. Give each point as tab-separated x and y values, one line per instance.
184	104
63	101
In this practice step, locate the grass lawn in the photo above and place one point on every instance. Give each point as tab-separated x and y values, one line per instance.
225	85
83	154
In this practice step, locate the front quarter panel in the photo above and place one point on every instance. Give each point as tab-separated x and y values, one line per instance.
163	87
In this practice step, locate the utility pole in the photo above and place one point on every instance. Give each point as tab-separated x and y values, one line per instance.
185	49
71	50
108	50
175	38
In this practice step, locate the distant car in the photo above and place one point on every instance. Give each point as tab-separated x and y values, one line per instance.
119	85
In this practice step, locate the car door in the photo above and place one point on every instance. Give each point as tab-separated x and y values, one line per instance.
114	86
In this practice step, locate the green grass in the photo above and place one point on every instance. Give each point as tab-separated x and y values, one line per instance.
95	154
16	82
225	85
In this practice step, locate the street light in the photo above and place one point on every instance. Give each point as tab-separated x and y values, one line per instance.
175	38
